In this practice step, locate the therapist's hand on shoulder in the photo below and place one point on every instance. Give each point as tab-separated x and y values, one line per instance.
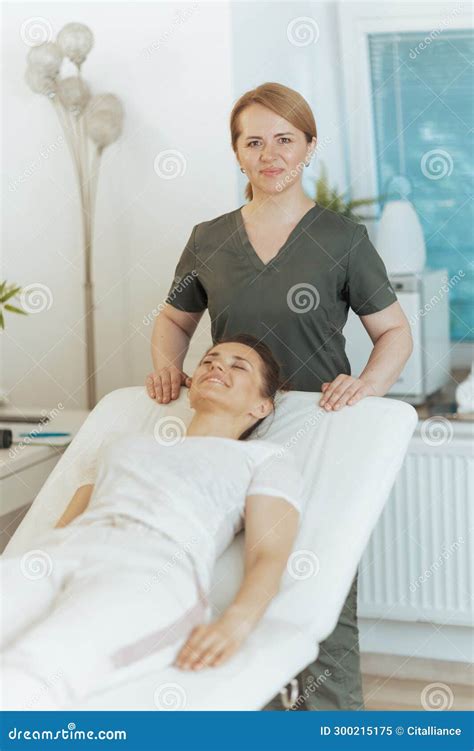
165	384
345	389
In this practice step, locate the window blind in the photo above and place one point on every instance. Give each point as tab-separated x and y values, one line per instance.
422	90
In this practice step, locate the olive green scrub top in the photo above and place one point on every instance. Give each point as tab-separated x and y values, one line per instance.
298	302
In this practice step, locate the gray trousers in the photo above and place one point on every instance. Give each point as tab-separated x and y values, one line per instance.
334	680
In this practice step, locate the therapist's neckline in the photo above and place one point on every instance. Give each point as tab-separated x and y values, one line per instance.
298	223
244	205
250	250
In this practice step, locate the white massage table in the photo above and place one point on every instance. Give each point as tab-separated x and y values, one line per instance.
349	461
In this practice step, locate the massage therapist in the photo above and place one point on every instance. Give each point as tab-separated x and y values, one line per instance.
286	270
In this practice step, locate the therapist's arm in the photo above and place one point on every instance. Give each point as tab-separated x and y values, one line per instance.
271	524
77	505
390	333
170	339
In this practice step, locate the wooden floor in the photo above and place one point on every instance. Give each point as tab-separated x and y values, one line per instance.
401	683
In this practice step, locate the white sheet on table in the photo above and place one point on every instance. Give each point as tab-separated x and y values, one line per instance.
349	461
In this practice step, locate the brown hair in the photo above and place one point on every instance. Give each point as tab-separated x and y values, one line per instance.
282	100
270	370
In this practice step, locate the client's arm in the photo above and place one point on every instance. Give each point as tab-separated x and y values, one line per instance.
271	524
77	505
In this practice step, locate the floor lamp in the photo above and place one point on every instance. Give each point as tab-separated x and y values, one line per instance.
90	124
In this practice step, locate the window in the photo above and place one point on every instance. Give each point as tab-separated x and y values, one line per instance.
422	90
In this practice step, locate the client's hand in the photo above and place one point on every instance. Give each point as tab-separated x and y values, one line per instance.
211	644
166	383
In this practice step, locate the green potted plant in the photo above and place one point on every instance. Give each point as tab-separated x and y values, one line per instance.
330	199
9	292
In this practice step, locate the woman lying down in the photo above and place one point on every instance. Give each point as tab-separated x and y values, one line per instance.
127	570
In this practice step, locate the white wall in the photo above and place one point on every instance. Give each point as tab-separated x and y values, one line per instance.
176	96
296	44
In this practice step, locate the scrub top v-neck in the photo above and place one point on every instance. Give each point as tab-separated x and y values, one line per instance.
236	218
297	303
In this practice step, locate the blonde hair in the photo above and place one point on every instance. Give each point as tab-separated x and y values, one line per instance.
282	100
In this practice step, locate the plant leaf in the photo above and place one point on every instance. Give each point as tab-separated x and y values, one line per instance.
10	293
13	309
329	198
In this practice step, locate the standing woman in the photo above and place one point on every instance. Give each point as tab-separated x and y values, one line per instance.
286	270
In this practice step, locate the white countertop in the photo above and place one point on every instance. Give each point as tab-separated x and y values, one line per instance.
21	455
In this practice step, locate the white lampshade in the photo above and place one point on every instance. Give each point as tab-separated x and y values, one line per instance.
103	128
73	93
39	82
106	103
76	41
104	118
47	57
400	240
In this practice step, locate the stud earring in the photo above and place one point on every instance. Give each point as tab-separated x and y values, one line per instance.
242	170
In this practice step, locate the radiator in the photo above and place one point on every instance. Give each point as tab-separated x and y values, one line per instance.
418	563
